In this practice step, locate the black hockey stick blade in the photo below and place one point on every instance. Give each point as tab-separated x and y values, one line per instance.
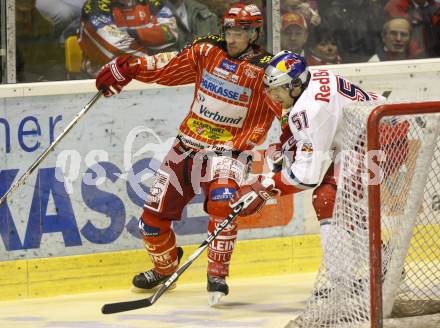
125	306
146	302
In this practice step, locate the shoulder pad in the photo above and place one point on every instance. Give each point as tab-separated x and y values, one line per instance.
213	39
261	60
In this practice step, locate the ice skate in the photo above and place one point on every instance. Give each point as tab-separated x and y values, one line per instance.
356	290
149	280
217	288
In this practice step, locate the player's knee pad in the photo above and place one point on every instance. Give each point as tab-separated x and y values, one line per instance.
219	194
153	227
323	200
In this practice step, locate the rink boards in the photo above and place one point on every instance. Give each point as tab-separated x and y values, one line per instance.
107	271
75	220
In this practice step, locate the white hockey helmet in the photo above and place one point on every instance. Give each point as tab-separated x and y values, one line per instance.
284	68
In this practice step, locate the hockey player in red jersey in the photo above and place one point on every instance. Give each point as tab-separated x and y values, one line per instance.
229	115
111	28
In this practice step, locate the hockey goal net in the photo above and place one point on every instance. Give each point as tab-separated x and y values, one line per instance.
382	258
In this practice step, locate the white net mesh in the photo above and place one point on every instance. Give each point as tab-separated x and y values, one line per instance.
410	223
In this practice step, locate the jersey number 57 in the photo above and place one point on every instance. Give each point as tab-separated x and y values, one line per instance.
300	120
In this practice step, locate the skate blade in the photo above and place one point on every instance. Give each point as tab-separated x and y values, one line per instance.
214	298
138	290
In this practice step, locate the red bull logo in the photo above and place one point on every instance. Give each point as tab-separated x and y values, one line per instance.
285	65
291	62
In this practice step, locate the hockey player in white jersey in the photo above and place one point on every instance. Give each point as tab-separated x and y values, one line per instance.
313	101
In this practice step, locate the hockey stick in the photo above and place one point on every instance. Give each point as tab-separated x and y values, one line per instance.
35	164
146	302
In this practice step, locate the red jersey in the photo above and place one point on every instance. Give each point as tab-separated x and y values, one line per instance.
109	29
230	109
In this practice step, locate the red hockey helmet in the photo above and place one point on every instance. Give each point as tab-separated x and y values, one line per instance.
244	16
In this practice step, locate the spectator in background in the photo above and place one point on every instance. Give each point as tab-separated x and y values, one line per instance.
357	25
396	42
306	8
194	19
113	28
39	56
218	7
324	49
60	13
294	33
424	16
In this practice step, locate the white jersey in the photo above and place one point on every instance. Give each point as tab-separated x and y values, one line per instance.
315	125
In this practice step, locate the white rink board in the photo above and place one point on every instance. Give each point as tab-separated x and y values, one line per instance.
84	219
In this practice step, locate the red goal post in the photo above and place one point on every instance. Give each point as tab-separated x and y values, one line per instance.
381	263
374	197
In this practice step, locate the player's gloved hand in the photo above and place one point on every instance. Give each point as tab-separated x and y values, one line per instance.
274	157
263	188
116	74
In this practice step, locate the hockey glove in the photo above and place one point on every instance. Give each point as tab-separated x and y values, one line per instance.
274	157
116	74
263	186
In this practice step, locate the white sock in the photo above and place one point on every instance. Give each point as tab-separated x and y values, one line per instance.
324	230
335	253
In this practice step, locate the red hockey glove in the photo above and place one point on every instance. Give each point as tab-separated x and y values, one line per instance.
263	188
116	74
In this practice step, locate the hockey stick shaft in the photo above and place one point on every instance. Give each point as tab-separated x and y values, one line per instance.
137	304
35	164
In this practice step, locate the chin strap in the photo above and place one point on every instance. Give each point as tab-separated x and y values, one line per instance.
303	87
292	96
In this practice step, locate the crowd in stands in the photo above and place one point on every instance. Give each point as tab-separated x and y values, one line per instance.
324	31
